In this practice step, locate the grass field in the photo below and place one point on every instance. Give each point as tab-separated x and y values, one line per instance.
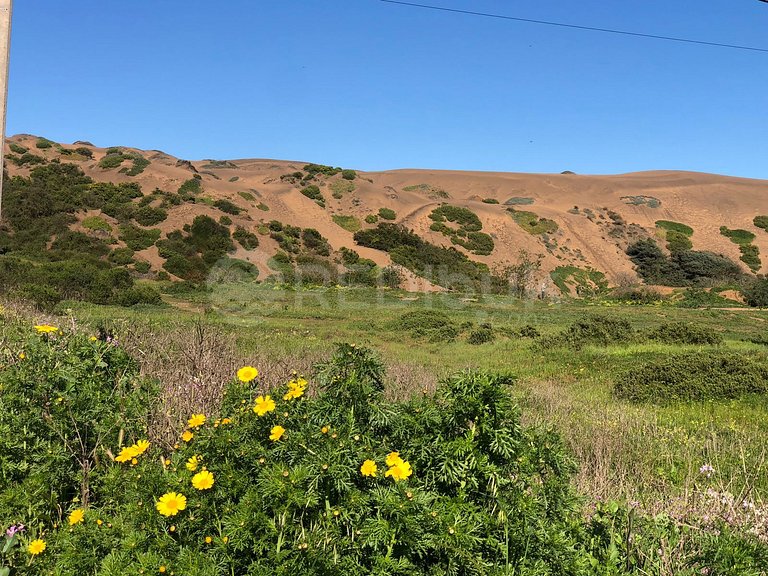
649	455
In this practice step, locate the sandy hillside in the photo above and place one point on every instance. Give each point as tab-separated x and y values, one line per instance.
596	216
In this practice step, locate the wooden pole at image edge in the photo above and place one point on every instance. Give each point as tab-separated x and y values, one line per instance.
6	10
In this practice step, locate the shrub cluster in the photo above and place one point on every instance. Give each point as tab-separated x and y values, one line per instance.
695	376
685	333
468	234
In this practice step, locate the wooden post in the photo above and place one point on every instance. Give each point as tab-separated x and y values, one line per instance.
6	10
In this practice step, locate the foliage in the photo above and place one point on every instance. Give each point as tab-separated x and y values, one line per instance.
387	214
341	187
594	329
585	282
246	239
139	165
518	201
138	238
149	216
227	206
482	335
96	224
443	266
313	169
313	193
761	222
111	161
17	148
685	333
490	201
349	223
465	218
434	325
43	143
467	234
670	226
190	188
519	277
737	236
756	292
371	218
695	376
683	268
531	223
348	174
247	196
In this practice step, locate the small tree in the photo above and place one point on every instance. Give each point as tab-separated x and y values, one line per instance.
520	276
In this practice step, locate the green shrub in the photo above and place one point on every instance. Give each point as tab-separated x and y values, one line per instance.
96	223
677	241
593	330
246	239
315	242
750	255
387	214
80	243
225	220
694	376
531	223
465	218
390	277
434	325
313	169
371	219
756	292
121	256
43	143
111	161
348	174
190	188
138	238
17	148
313	192
518	201
684	333
761	222
677	227
234	179
227	206
737	236
83	151
139	294
490	201
149	216
341	187
247	196
139	165
482	335
27	159
142	267
349	223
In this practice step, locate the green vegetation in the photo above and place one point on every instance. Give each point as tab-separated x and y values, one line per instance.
43	143
139	164
761	222
234	179
247	196
518	201
341	187
313	193
648	201
387	214
490	201
670	226
246	239
371	218
314	169
695	376
467	234
111	161
433	192
191	188
17	148
571	280
227	206
149	215
683	268
349	223
750	254
96	224
442	266
348	174
531	223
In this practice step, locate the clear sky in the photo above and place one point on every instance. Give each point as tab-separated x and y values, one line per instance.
373	86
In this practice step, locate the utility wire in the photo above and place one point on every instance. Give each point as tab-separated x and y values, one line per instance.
577	27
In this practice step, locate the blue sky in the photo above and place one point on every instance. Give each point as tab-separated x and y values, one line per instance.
372	86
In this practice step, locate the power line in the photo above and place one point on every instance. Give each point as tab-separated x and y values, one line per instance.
577	27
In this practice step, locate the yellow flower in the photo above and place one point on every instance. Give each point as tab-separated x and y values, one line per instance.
171	503
196	420
276	433
247	373
225	421
400	471
140	447
126	454
369	468
296	389
393	458
76	516
161	570
203	480
187	436
36	547
324	429
45	329
192	463
93	338
208	539
22	355
263	405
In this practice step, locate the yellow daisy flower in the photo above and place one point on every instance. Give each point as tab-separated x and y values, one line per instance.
276	433
192	463
393	458
76	516
196	420
400	471
171	503
45	329
140	447
126	454
369	468
263	405
247	373
203	480
187	436
36	547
